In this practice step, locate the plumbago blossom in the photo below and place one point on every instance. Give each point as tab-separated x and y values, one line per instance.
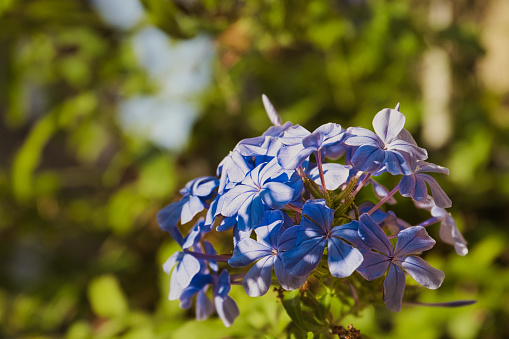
290	199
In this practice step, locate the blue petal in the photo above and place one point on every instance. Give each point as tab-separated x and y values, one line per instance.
270	228
276	195
286	280
288	239
253	178
388	123
253	146
413	240
204	306
204	186
374	265
406	186
406	136
168	218
359	136
198	282
247	251
226	309
394	288
294	135
239	235
422	272
343	258
350	233
210	217
297	184
395	163
335	150
291	157
192	207
413	186
225	306
439	196
187	267
226	224
233	200
304	258
335	175
317	216
193	236
271	111
251	213
373	236
423	166
172	261
277	131
330	130
257	280
223	284
413	151
313	141
271	170
267	144
368	158
449	232
233	168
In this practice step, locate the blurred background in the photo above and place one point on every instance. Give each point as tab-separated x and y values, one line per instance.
108	107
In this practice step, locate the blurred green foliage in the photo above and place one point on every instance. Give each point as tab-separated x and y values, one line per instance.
81	249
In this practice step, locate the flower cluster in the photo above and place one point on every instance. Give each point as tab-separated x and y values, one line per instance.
295	215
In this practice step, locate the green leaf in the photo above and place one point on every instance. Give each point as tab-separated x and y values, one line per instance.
291	303
29	156
323	310
157	178
106	297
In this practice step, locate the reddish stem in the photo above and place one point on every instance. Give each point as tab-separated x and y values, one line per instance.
220	257
318	156
384	199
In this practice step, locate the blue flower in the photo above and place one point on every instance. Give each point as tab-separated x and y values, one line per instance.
299	143
386	148
184	266
410	241
265	187
414	184
267	144
314	234
232	169
195	194
272	241
449	232
225	306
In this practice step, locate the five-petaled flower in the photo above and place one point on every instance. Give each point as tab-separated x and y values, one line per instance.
383	256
